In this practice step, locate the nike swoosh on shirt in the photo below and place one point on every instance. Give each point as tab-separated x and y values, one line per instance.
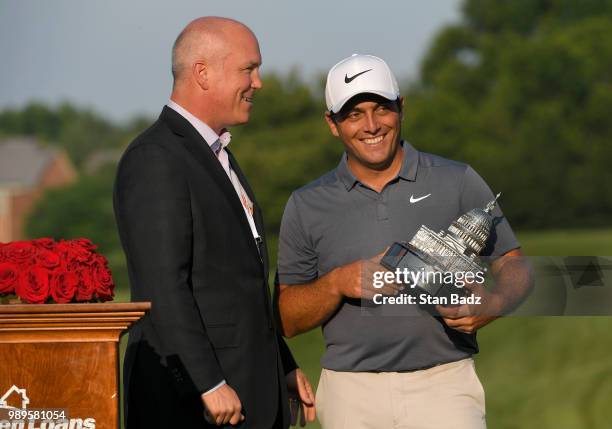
416	200
350	79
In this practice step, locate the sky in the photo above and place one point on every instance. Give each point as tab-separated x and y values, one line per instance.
113	56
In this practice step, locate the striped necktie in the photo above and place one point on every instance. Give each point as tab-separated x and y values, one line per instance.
216	147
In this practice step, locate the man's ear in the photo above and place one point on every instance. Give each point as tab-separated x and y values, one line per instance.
401	105
332	125
200	74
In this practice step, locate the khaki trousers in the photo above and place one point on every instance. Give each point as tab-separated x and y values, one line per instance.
447	396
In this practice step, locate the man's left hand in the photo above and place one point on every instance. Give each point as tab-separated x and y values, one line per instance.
513	282
468	318
301	398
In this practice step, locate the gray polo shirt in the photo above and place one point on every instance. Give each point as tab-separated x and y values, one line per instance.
336	220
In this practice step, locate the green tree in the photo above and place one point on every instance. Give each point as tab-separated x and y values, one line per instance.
519	90
84	209
80	132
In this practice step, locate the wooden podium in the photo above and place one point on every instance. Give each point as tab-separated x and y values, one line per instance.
64	357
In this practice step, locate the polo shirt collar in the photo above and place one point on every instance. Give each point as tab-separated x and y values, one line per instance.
410	163
408	170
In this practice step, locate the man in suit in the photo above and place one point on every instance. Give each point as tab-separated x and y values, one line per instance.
208	353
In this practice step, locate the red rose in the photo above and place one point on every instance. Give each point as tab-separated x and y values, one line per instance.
63	286
33	285
68	271
48	259
85	285
103	279
19	252
45	243
62	246
80	250
84	243
9	274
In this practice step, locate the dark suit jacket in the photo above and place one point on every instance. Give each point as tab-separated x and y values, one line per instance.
190	252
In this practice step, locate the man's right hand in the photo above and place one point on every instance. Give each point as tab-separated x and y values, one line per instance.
304	306
222	406
356	280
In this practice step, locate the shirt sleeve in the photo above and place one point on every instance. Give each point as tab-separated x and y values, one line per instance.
297	259
476	194
216	387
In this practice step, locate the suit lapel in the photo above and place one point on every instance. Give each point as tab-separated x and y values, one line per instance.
201	152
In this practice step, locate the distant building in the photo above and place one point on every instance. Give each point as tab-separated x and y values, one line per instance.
27	169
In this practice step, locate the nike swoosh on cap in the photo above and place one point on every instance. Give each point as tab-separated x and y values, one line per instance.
350	79
416	200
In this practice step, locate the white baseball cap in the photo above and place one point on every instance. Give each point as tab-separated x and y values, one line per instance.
359	74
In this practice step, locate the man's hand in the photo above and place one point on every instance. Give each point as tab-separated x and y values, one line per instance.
356	280
513	283
467	318
300	397
306	306
222	406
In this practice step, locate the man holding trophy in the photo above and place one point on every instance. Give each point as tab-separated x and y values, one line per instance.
401	365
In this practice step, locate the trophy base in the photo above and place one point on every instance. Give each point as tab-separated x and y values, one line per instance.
403	257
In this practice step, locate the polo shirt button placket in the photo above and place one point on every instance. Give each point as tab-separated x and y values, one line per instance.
382	212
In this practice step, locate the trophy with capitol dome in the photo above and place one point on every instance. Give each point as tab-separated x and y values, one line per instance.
441	263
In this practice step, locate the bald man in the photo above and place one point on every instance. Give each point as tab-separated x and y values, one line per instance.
208	353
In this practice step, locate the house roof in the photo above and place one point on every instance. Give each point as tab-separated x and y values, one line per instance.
22	161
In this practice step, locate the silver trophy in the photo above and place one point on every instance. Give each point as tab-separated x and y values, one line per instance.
452	251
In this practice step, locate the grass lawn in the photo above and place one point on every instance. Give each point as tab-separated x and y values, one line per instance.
567	242
538	372
550	372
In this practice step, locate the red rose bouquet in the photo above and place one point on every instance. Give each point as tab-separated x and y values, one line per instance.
43	270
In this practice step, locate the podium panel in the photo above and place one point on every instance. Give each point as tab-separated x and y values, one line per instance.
61	361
